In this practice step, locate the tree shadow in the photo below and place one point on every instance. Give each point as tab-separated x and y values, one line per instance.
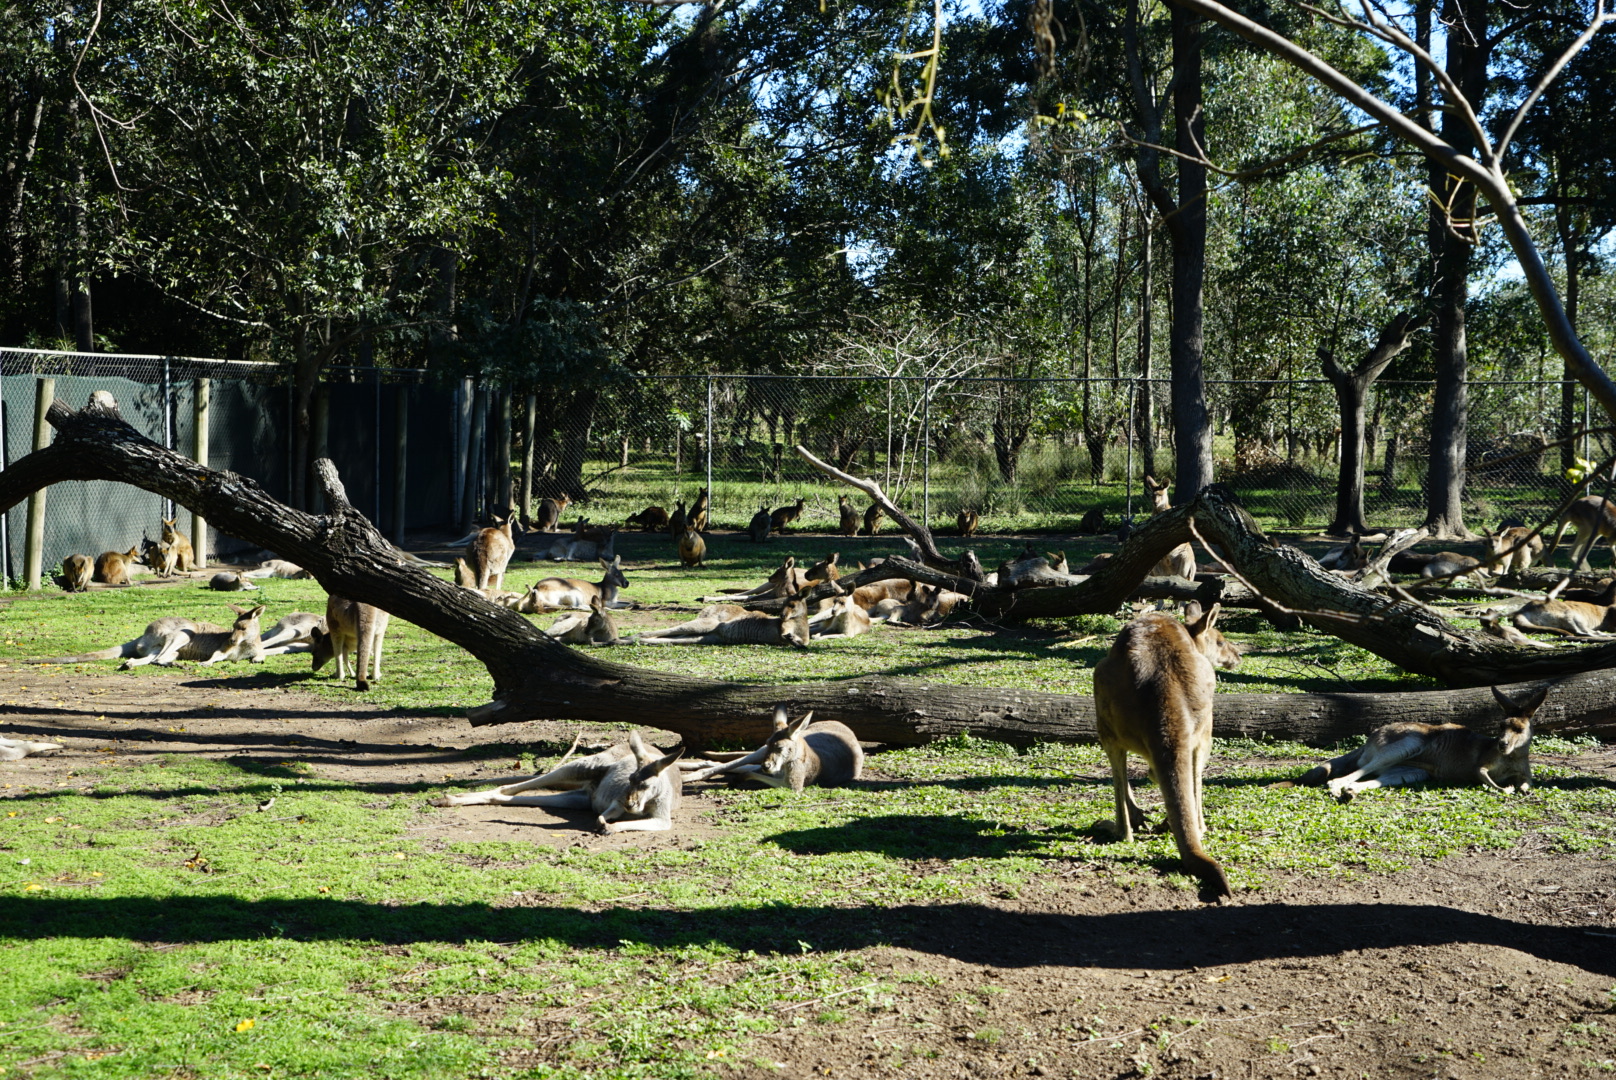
930	836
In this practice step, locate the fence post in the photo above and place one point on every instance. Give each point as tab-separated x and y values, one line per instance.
401	457
1127	473
1587	420
709	448
376	437
925	458
201	393
887	483
34	549
168	428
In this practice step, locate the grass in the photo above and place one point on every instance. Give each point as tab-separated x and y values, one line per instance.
154	922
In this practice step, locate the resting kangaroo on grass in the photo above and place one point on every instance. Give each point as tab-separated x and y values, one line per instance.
630	788
729	624
174	638
797	754
1397	755
1153	697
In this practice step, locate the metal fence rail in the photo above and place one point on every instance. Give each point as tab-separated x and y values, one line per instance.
423	453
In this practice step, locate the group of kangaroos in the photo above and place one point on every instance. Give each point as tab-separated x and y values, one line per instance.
1153	691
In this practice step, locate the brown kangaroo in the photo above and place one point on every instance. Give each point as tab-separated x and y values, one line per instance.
112	567
651	519
1593	518
490	552
968	521
1180	562
692	548
677	519
760	525
1153	697
798	753
77	570
176	542
550	513
351	628
850	517
785	515
872	520
698	512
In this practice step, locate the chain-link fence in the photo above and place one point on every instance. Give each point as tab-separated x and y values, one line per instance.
1028	454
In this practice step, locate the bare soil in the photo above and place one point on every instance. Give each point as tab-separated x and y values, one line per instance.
1479	965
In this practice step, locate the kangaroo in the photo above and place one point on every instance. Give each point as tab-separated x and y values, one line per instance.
174	638
677	519
77	570
1346	557
162	558
1520	560
1153	697
1397	755
550	513
1572	618
490	552
651	519
351	628
560	594
760	525
1180	562
464	575
176	542
796	754
1093	523
17	749
112	567
730	624
786	581
692	548
594	628
698	512
1593	518
1493	625
294	633
1028	570
629	788
825	569
843	619
785	515
1603	597
1451	562
872	520
849	516
968	521
867	596
279	568
225	581
580	547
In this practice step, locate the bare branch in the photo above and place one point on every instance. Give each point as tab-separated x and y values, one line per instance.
1601	17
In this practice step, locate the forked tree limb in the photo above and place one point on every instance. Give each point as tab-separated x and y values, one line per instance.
537	678
918	530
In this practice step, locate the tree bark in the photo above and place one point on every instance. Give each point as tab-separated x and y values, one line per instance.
1192	428
537	678
1351	389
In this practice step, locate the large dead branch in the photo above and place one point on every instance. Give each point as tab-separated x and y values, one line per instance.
925	545
537	678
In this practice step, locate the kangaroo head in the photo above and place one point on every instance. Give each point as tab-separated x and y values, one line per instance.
1209	641
1512	767
614	571
785	744
647	782
322	647
1158	494
794	623
1056	560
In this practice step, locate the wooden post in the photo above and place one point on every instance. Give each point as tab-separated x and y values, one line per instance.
530	425
199	526
320	437
34	544
401	457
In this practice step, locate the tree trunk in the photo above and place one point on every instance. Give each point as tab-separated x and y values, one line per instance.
530	424
1351	388
1192	430
537	678
1145	405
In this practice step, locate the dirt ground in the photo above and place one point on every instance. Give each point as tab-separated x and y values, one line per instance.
1476	966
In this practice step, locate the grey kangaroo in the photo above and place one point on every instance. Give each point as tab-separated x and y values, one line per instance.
797	754
174	637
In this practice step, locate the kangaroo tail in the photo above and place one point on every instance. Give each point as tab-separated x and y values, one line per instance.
1183	815
115	652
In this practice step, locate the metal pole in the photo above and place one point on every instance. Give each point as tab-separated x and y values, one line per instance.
1587	421
709	448
201	394
5	516
168	429
34	549
1127	474
925	459
888	482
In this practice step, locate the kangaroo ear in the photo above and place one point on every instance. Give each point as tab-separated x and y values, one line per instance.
1525	708
656	767
1192	612
780	720
255	612
1205	622
800	722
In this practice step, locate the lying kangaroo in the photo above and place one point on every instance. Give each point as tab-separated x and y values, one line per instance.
825	569
1594	518
730	624
1573	618
760	525
651	519
1520	560
786	581
557	594
849	516
17	749
594	627
227	581
174	638
1180	562
1029	570
1444	563
293	633
490	552
1346	557
786	514
280	568
968	521
180	545
692	548
872	520
114	567
629	788
826	754
550	513
77	571
350	628
1153	697
843	619
584	546
1397	755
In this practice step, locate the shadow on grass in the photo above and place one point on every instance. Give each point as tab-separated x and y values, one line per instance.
973	933
927	836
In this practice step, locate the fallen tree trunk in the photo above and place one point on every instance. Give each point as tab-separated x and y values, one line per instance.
537	678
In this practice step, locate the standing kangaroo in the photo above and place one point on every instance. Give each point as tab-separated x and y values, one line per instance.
1594	518
1412	753
175	541
759	528
351	627
174	638
1153	697
677	519
490	552
629	788
698	512
1180	562
692	548
796	754
550	513
872	520
968	520
849	516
